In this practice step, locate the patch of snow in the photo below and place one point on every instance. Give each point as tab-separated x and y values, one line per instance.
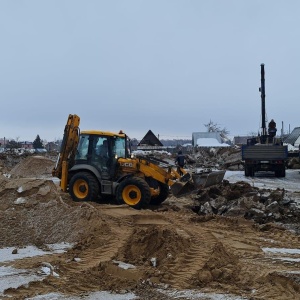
210	142
267	179
282	250
30	251
293	252
289	259
20	200
20	189
193	294
13	278
147	152
291	147
123	265
49	271
92	296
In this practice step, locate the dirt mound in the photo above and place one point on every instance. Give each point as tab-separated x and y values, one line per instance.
33	213
33	166
221	267
155	242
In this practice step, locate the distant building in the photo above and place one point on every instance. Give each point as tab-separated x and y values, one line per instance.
26	145
150	142
51	146
293	138
3	142
208	139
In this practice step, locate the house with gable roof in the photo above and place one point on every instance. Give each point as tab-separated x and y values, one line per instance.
150	142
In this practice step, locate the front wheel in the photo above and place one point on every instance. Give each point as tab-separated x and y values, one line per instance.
135	192
162	196
84	186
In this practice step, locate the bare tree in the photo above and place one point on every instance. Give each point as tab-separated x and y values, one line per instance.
214	127
253	133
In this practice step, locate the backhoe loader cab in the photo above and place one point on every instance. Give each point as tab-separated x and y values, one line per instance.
101	150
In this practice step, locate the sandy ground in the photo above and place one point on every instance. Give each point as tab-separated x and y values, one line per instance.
54	248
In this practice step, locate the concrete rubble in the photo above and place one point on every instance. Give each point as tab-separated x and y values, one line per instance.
205	245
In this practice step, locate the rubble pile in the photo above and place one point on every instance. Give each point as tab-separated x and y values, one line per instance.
9	160
293	163
157	253
242	200
218	158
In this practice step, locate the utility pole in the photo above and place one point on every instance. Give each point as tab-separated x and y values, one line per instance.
263	101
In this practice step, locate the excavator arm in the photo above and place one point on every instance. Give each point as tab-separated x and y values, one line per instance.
67	150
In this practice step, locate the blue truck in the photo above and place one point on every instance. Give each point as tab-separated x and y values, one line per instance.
264	157
265	152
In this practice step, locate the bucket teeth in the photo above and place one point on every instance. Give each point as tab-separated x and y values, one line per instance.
182	188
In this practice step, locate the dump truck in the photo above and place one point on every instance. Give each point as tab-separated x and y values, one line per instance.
94	164
265	152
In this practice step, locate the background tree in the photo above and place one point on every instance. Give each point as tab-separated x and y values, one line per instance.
12	144
214	127
37	143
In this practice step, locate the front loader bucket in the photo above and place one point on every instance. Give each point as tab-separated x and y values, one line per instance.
206	179
182	188
200	180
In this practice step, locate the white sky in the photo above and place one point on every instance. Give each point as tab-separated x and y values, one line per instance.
165	65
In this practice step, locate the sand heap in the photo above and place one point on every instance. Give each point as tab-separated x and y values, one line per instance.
33	166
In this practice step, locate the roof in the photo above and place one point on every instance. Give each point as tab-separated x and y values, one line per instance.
150	139
292	138
104	133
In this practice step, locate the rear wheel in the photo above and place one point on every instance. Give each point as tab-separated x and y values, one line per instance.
84	186
251	171
280	172
247	171
135	192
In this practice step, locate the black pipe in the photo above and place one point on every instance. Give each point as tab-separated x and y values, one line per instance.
263	103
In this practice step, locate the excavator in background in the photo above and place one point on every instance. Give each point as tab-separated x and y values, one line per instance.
265	152
94	164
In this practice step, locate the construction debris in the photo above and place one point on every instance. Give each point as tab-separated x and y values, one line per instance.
211	241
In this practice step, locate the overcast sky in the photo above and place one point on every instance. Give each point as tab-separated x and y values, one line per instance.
169	66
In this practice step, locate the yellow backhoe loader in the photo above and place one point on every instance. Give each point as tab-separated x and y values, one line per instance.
94	164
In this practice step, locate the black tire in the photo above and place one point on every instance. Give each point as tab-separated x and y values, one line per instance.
135	192
247	174
280	173
162	196
249	171
84	186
